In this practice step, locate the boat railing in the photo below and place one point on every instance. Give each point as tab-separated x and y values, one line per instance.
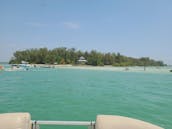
24	121
89	124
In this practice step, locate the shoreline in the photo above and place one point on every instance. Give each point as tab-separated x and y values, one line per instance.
152	69
148	69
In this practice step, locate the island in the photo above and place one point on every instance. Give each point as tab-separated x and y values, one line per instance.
64	56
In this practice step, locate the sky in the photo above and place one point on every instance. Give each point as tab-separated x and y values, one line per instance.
136	28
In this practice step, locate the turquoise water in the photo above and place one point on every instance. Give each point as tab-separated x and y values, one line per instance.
75	94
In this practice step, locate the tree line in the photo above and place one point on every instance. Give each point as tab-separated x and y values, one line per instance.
63	55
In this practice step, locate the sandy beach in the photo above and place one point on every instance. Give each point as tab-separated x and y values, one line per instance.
153	69
149	69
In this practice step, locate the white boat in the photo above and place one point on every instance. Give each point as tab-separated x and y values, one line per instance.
23	121
15	67
19	67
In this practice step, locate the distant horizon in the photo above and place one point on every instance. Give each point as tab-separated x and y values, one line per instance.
132	28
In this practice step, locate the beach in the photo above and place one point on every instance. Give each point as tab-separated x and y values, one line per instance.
149	69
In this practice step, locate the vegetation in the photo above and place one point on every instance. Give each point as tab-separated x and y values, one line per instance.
63	55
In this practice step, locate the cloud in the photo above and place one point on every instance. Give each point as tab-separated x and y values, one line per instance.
36	24
68	25
71	25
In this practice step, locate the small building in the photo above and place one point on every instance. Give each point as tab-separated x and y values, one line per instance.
82	60
24	62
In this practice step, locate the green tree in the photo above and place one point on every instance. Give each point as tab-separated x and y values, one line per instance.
62	55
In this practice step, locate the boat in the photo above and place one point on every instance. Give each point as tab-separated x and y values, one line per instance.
23	121
15	67
19	67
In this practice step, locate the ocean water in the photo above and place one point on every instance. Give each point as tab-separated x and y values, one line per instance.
78	94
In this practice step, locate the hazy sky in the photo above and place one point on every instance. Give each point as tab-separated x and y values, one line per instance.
136	28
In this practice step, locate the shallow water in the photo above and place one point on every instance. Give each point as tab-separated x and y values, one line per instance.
78	94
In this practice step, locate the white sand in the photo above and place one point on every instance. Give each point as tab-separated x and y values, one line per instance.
122	69
157	69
